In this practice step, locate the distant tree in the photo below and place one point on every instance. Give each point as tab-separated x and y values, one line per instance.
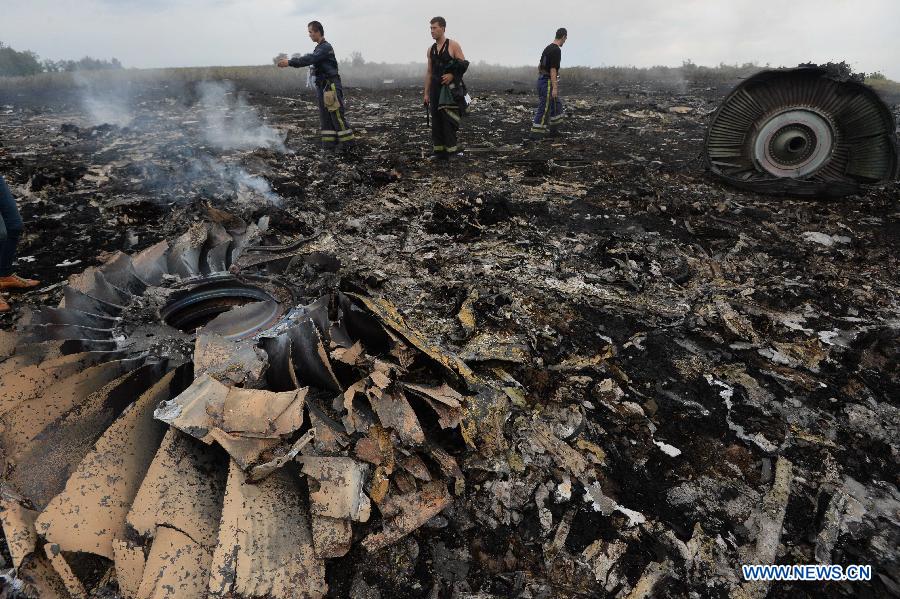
356	59
14	64
876	76
50	66
87	64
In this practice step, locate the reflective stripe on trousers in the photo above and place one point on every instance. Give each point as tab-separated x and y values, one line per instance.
333	124
444	123
549	112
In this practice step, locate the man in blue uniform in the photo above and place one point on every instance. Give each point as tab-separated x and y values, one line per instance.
336	133
549	111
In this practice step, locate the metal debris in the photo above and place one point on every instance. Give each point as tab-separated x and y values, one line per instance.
183	489
109	476
176	567
677	335
237	363
130	563
253	413
18	526
166	487
338	501
405	513
265	544
811	131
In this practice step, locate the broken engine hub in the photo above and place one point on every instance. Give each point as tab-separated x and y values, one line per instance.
807	131
211	301
231	450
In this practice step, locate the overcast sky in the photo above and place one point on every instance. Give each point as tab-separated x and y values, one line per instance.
162	33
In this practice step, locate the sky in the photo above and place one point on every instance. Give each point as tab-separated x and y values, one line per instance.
169	33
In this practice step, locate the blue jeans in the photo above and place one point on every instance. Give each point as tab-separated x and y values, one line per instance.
10	229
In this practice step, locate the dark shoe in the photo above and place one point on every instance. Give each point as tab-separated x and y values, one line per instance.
17	282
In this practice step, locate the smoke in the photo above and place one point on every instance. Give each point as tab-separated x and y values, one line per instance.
227	123
188	175
230	123
109	104
225	179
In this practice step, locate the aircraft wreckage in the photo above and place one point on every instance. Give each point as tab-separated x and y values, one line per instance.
698	379
806	131
231	449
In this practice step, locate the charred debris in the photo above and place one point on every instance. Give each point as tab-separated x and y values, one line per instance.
228	450
577	369
810	131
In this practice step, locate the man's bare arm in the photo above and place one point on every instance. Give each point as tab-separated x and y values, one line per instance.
456	50
554	82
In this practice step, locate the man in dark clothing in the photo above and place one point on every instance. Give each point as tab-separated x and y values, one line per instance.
549	111
443	83
336	133
10	231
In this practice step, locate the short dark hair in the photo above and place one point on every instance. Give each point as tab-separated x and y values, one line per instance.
316	26
561	33
440	21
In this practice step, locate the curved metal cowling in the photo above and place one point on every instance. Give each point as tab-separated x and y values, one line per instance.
802	131
227	464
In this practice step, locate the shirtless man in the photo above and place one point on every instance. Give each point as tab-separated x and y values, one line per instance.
446	65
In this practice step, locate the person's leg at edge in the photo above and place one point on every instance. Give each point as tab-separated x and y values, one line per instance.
13	226
4	306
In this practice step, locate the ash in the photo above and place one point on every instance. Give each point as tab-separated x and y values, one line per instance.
699	377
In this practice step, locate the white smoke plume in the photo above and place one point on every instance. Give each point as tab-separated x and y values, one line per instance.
230	123
231	179
105	102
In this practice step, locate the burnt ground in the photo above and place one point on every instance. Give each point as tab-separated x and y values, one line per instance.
682	336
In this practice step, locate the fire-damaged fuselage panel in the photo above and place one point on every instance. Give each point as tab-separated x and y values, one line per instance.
810	131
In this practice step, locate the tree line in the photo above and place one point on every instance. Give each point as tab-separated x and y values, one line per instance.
14	63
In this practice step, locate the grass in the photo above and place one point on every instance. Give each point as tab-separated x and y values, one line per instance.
270	80
885	86
50	88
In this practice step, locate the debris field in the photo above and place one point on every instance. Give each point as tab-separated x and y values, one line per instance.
576	368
